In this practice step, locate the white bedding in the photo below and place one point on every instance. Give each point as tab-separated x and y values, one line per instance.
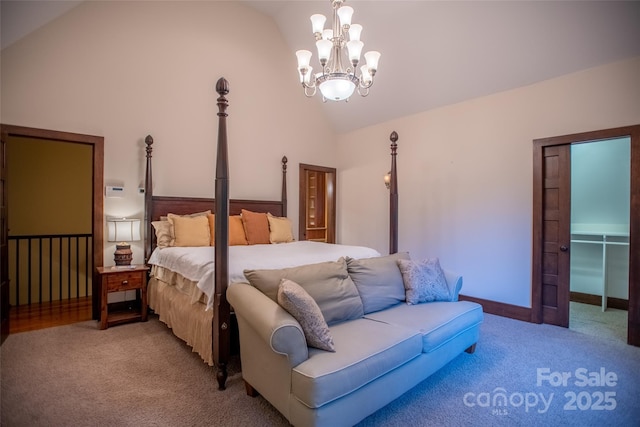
197	263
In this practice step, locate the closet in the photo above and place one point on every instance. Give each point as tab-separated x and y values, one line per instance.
600	207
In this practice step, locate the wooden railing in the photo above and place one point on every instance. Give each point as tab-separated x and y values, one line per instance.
50	267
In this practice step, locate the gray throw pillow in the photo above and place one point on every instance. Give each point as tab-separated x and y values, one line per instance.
328	283
378	280
424	281
293	298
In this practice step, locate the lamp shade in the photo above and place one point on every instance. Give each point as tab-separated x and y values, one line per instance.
123	229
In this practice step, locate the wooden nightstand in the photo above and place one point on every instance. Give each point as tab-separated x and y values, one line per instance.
118	279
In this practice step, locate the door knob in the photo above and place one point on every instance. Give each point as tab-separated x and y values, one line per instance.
563	248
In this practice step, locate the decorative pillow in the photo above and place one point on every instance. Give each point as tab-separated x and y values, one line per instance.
378	280
203	213
328	283
212	229
256	227
293	298
279	229
190	231
164	233
424	281
236	231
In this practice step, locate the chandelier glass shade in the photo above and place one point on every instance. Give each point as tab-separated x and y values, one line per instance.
339	50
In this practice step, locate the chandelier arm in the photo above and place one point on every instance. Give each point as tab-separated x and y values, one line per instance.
363	91
306	91
366	85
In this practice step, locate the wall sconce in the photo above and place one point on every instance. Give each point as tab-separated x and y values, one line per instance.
123	230
387	180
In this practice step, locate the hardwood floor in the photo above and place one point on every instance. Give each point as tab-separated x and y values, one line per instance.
46	315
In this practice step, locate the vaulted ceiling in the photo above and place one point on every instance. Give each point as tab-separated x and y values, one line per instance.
435	53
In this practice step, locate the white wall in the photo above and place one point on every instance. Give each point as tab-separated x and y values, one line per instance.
123	70
466	175
600	183
600	203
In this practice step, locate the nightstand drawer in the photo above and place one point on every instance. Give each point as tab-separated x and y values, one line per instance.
124	281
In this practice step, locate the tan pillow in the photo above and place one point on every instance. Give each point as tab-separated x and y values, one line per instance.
164	233
190	231
203	213
256	227
328	283
280	230
212	229
236	231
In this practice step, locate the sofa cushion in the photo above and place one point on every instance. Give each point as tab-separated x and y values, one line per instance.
328	283
438	322
424	281
365	351
293	298
378	280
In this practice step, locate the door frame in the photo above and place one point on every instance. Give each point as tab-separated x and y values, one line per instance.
633	336
331	180
97	209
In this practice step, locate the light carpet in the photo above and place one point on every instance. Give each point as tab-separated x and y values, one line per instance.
139	374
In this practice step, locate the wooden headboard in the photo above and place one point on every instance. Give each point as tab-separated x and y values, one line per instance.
159	206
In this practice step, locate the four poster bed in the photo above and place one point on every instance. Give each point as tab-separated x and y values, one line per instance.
190	296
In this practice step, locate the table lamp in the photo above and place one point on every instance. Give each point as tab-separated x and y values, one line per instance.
123	231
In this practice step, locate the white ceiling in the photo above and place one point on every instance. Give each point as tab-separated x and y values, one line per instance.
435	53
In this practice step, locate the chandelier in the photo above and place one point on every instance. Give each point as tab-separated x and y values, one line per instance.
336	81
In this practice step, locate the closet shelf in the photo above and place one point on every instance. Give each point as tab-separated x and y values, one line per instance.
603	236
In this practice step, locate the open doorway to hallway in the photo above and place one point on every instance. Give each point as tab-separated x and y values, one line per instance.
52	226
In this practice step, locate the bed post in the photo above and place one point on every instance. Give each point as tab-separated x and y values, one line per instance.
222	313
283	197
148	195
393	197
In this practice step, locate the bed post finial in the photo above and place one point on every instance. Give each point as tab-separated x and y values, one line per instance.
149	142
393	196
283	197
148	195
222	86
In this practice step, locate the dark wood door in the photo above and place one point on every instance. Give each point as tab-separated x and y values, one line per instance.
4	253
553	233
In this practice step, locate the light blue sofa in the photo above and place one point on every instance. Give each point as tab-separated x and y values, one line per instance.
378	356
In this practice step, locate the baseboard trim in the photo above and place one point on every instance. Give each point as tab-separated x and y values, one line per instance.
501	309
619	303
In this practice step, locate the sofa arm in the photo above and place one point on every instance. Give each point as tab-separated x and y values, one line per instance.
279	330
454	281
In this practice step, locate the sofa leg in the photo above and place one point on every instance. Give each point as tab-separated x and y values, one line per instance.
471	349
250	390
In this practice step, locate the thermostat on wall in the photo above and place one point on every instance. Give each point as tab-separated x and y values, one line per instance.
112	191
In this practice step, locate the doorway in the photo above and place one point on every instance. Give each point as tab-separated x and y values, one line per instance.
552	227
96	144
317	219
599	250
